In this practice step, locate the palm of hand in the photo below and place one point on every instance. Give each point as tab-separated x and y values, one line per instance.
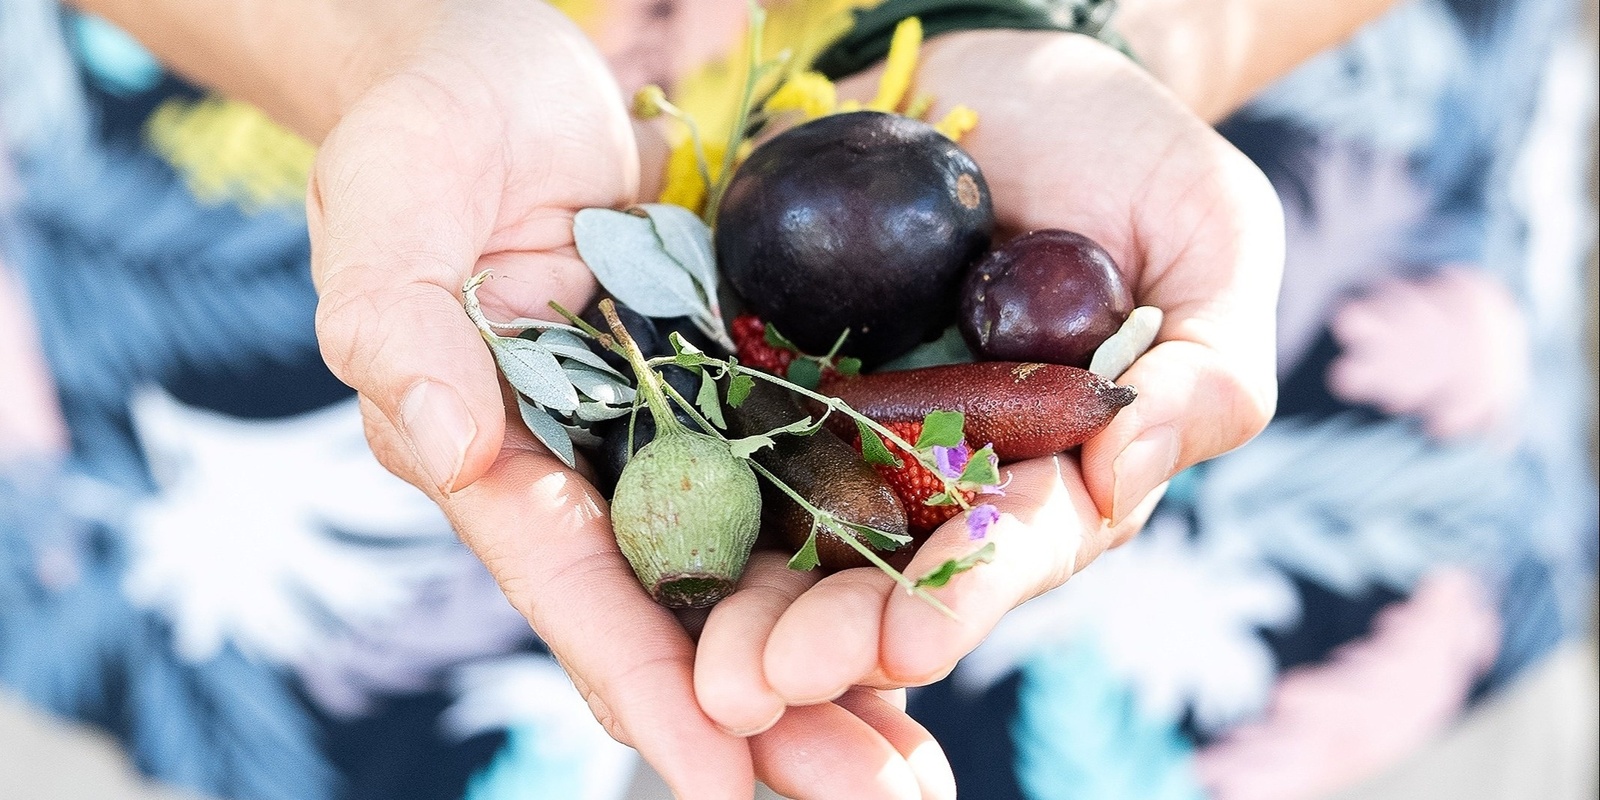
1076	137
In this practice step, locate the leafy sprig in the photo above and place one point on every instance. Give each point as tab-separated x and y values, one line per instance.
563	388
739	380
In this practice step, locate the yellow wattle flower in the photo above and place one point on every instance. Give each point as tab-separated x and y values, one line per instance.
957	123
810	93
900	65
228	151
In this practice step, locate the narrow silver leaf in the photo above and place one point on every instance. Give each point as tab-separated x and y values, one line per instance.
534	371
598	385
548	431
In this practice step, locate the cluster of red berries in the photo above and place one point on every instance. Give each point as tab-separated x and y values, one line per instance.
914	483
753	349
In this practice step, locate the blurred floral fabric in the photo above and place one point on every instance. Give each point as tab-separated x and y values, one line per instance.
198	553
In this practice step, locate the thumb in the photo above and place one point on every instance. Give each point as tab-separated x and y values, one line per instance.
393	235
1194	403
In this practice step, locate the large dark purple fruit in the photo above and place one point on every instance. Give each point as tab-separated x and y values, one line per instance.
861	221
1050	296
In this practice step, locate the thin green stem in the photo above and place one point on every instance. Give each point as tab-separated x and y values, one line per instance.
829	523
682	116
649	383
758	24
844	408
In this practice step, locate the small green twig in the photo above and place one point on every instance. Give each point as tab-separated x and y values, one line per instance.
758	24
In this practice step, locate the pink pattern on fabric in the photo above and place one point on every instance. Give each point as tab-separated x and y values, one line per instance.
1373	703
1451	349
31	425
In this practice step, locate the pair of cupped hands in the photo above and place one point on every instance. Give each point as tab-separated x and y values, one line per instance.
503	121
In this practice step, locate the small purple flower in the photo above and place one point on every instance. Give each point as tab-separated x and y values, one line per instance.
980	519
952	460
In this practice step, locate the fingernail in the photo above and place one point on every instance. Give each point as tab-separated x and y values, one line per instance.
1143	465
439	428
745	733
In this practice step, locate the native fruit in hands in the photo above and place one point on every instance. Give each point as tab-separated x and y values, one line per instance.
914	484
1049	295
825	470
859	222
1026	410
687	510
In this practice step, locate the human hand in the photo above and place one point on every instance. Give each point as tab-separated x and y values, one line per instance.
474	152
1071	135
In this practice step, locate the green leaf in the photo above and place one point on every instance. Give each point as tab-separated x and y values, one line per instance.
807	559
880	540
707	401
981	469
682	346
685	354
949	348
848	367
739	388
805	373
800	427
747	447
942	574
940	499
547	430
872	449
942	428
778	340
534	372
630	260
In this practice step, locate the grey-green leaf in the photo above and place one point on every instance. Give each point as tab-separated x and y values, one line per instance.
552	433
747	447
608	388
598	412
630	261
688	241
533	371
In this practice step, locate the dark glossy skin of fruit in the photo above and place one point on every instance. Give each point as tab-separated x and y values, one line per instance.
862	221
825	470
1051	296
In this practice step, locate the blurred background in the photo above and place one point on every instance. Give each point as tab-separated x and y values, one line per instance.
1444	635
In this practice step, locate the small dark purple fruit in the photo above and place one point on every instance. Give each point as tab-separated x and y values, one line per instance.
1051	296
861	222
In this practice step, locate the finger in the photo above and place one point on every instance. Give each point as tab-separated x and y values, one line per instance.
391	244
827	640
824	752
728	676
1046	521
912	741
545	536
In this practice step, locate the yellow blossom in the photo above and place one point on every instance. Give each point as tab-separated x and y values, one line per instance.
808	92
899	66
957	123
685	186
920	105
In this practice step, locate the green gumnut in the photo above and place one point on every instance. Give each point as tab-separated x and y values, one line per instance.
686	513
